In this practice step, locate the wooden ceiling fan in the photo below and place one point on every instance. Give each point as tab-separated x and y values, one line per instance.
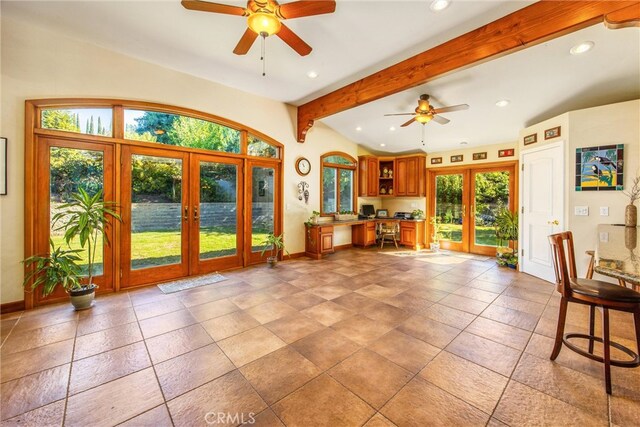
264	18
425	112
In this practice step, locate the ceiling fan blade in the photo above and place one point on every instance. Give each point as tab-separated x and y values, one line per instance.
441	120
452	108
401	114
205	6
299	9
413	119
296	43
245	43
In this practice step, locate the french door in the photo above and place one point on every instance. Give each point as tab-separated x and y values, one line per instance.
64	167
156	215
466	201
264	201
217	206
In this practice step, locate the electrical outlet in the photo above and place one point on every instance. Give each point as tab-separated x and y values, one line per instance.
604	237
581	210
604	211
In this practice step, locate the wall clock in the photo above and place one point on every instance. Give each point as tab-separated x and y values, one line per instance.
303	166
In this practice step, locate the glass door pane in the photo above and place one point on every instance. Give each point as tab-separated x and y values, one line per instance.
218	210
70	170
491	193
156	211
263	185
450	209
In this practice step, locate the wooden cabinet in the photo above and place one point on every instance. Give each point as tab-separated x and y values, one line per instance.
412	234
368	176
364	234
410	176
318	240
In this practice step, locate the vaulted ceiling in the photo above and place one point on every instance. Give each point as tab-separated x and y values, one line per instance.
361	37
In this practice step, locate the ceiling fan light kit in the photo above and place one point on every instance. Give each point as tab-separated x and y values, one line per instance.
264	23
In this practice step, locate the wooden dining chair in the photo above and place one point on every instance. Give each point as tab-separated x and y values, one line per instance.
594	293
387	232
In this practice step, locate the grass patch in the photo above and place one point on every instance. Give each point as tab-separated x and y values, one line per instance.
154	248
485	235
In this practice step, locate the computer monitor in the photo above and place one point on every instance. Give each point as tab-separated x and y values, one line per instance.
368	210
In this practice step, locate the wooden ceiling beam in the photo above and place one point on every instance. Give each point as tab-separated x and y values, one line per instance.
534	24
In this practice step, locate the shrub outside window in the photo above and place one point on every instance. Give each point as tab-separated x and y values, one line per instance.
338	183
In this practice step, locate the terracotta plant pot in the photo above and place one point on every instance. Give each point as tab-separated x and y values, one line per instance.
82	299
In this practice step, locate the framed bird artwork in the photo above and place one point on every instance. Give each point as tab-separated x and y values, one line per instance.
600	168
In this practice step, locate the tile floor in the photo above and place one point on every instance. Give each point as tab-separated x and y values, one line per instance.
360	338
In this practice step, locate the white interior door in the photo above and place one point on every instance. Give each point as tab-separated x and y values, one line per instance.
541	207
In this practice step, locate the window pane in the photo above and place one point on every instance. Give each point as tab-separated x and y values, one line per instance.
72	169
492	194
156	208
339	160
262	205
449	206
346	190
182	131
92	121
329	202
259	148
218	209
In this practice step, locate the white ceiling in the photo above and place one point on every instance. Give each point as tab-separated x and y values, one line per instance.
361	37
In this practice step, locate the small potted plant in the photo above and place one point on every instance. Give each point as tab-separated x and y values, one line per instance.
417	214
436	227
313	219
275	244
57	268
506	224
85	217
345	215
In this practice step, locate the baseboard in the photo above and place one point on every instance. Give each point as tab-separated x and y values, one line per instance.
341	247
10	307
294	256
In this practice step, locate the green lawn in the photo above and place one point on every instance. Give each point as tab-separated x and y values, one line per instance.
152	248
485	235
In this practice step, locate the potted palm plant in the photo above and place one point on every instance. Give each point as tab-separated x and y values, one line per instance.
57	268
436	226
506	224
275	244
85	217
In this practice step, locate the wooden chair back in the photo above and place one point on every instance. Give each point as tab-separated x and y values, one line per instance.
564	261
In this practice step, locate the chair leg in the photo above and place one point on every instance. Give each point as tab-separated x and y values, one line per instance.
590	268
622	283
592	315
562	317
636	320
395	242
607	349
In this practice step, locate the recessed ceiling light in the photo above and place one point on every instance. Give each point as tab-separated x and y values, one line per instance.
464	143
502	103
582	48
383	145
438	5
358	128
312	74
392	128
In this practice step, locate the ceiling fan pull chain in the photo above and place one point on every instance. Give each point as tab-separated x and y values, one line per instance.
423	134
263	53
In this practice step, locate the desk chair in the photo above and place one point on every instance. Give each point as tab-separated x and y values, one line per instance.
386	230
593	293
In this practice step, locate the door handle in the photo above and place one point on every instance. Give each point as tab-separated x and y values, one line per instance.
195	214
554	222
186	213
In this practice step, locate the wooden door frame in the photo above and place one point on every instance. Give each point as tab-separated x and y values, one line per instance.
42	208
467	197
131	278
196	265
249	256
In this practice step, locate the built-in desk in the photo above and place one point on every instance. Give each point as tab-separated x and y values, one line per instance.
319	237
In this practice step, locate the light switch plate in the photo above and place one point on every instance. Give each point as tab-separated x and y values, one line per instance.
604	211
581	210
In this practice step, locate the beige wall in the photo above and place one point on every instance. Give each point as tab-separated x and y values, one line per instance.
39	64
605	125
492	155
